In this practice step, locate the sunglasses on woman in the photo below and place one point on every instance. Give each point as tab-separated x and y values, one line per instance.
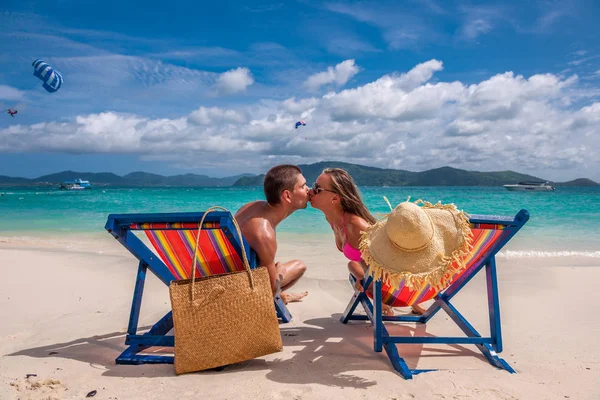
318	189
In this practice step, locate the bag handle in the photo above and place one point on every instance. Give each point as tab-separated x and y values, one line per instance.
239	232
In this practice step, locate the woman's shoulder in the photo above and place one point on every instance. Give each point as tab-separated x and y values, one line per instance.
355	226
356	222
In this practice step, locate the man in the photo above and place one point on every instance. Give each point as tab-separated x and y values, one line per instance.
286	191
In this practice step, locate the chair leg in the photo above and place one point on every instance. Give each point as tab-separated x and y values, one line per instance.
378	330
380	333
398	362
487	349
136	303
129	356
350	308
163	326
494	305
282	310
354	301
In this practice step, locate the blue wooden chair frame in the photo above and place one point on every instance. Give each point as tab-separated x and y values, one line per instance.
119	226
489	346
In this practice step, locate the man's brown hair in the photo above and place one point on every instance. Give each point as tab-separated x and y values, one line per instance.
280	178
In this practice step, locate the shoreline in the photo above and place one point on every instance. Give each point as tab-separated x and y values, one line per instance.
103	243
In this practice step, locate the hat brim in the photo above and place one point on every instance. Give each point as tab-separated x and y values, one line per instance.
434	265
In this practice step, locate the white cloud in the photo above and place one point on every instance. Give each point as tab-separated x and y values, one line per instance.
588	115
419	74
338	75
345	45
549	18
301	105
503	96
212	115
115	70
401	120
10	93
476	27
432	6
132	84
583	60
196	52
234	81
395	96
461	127
401	27
479	20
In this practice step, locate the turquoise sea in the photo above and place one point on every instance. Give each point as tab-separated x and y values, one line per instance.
565	221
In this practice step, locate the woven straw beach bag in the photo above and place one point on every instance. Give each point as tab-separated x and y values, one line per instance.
223	319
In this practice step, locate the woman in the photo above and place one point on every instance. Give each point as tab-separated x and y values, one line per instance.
336	194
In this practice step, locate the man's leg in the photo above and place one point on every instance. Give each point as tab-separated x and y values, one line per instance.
291	272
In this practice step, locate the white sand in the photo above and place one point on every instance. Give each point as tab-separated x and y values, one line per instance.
64	308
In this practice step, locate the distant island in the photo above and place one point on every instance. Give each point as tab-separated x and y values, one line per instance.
363	175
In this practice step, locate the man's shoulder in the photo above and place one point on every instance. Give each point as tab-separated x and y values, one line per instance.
259	233
253	221
252	209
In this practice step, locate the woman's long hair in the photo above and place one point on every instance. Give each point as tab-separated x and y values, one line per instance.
343	184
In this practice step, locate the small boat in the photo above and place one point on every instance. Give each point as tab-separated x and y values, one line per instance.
76	184
530	187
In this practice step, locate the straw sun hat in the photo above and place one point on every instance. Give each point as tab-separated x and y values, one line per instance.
424	245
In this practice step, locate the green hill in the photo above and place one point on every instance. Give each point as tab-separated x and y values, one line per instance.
9	180
445	176
136	179
577	182
107	178
363	175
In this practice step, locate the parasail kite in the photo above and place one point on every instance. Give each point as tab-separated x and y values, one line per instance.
12	112
300	123
52	79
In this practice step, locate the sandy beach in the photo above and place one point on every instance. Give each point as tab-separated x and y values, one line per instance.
64	307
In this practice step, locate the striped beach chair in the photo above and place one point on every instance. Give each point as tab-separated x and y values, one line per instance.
173	237
490	234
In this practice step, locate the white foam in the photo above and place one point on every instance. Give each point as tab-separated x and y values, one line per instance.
541	253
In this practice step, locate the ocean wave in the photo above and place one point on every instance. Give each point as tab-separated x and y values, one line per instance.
542	253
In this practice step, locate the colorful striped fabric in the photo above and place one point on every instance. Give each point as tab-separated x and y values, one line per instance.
173	225
483	240
488	226
216	255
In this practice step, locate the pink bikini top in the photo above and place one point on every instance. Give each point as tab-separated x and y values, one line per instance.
350	252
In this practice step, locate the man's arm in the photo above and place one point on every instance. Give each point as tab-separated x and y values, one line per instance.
265	245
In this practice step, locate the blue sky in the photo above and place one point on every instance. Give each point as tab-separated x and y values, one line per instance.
215	88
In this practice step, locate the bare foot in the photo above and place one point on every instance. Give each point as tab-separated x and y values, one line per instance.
387	311
359	287
292	297
417	309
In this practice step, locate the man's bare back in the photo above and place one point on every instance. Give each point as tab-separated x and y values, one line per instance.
257	221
